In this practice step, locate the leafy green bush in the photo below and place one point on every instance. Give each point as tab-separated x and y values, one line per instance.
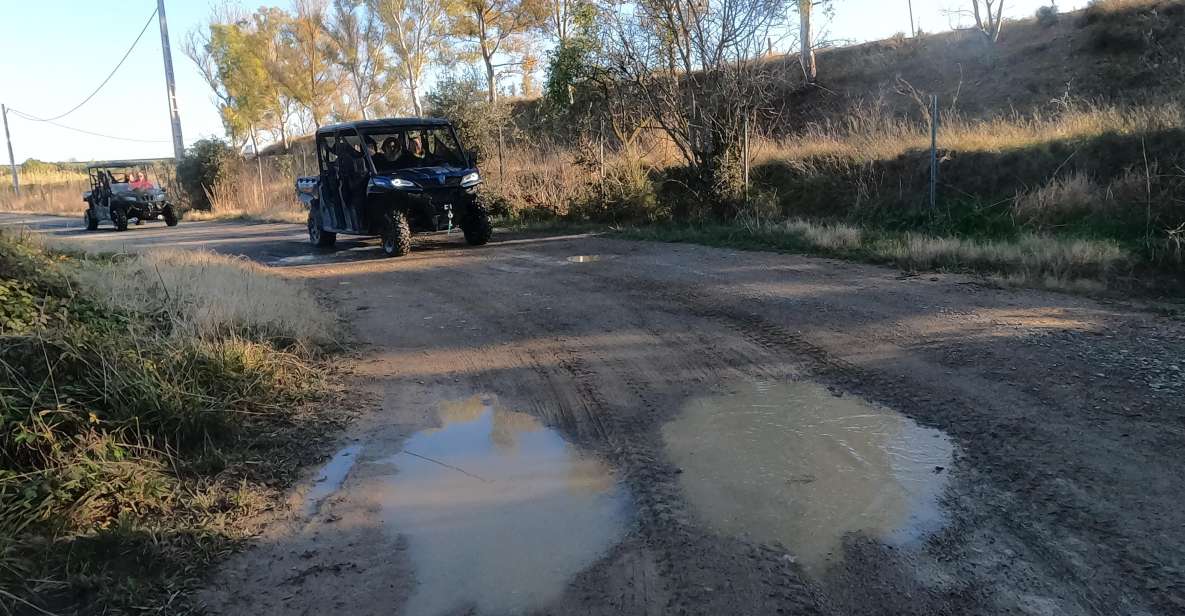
206	164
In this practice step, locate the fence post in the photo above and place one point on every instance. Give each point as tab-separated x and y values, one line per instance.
501	158
601	150
933	152
746	154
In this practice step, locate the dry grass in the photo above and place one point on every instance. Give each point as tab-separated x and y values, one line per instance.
63	199
246	197
1031	260
151	404
208	296
869	134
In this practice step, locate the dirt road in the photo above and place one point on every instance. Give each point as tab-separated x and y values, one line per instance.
582	425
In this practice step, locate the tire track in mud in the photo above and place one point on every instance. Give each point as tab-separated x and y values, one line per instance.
614	396
1027	521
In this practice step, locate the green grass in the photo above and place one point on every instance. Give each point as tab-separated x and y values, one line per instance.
1081	265
138	430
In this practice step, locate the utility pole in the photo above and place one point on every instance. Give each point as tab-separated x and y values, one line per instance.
913	32
174	115
16	182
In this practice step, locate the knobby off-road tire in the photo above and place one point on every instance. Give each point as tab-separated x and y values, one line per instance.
318	236
92	221
170	215
396	235
119	218
477	226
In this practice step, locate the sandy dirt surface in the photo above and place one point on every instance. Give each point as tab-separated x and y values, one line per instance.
544	434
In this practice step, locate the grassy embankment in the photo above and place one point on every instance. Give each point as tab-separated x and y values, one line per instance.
151	405
1076	185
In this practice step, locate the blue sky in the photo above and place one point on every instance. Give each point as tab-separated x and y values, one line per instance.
54	52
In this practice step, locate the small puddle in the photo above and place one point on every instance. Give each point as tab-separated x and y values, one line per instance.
330	478
299	260
793	463
499	511
584	259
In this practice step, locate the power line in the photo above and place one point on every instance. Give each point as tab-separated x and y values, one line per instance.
26	116
96	91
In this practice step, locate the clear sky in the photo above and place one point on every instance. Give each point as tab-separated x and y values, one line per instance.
54	52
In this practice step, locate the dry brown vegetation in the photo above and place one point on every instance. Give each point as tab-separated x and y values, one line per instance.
151	404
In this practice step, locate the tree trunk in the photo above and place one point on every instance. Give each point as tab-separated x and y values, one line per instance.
491	81
415	100
258	160
413	88
807	55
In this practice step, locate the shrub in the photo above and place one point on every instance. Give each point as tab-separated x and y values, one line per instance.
1047	16
463	101
206	164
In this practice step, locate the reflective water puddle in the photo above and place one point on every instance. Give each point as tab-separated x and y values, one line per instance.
330	478
499	511
585	259
793	463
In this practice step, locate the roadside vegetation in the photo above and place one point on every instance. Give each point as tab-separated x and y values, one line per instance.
1055	131
152	404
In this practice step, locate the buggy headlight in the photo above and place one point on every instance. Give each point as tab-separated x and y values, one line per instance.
471	179
383	182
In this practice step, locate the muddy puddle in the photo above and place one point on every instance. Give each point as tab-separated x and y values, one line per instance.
793	463
330	478
498	511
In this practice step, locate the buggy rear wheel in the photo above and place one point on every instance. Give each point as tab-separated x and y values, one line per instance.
170	215
396	234
318	236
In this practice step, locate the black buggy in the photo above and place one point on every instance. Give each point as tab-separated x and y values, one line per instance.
122	191
390	177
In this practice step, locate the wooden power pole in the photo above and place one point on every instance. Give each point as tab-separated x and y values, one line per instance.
16	182
170	85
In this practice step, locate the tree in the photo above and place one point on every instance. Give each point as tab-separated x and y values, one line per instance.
305	47
572	24
416	31
986	22
497	28
223	54
807	39
269	24
690	66
806	56
358	51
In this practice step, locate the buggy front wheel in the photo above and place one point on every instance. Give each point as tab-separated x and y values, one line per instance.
477	226
396	235
119	218
92	221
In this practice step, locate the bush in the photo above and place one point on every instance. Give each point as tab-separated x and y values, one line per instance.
463	100
1047	16
207	164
